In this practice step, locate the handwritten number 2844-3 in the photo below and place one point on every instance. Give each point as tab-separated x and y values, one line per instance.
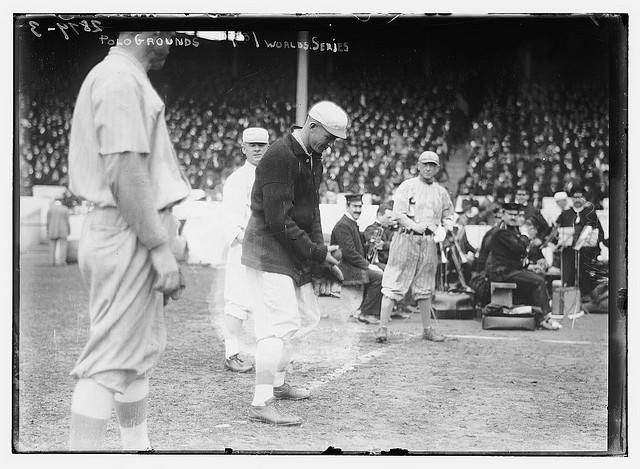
90	27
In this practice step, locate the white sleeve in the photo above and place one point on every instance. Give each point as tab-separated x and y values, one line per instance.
234	198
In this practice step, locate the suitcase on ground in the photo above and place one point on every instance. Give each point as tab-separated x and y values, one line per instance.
565	301
496	316
454	304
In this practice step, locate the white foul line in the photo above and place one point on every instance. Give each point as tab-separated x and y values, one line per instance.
361	359
574	342
482	337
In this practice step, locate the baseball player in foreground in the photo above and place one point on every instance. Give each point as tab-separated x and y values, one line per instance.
424	210
236	197
284	251
121	159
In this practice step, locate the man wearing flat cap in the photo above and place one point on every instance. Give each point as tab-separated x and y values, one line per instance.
285	254
424	211
357	270
507	262
236	197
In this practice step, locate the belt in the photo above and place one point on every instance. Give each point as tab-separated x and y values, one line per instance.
427	232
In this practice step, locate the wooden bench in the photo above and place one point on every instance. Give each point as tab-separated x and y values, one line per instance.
502	293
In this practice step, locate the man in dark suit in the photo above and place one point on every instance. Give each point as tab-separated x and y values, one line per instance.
507	263
357	270
581	215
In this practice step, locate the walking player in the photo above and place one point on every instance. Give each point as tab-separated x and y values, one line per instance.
121	159
285	254
236	197
424	209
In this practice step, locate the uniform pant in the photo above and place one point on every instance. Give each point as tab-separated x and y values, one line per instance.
280	308
237	290
413	262
127	327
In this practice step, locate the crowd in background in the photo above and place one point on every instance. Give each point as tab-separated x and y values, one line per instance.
544	136
547	138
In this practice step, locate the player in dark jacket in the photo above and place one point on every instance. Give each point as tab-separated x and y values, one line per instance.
283	248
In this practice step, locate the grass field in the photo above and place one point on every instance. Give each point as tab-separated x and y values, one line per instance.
506	392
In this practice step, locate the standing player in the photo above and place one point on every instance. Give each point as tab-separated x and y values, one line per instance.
424	209
121	160
236	197
285	254
58	230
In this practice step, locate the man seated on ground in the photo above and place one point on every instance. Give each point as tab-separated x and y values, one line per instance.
507	262
357	270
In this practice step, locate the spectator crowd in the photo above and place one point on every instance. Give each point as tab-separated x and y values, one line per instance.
544	136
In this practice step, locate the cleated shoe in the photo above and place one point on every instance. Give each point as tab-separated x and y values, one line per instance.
381	335
269	413
367	319
235	363
286	391
432	335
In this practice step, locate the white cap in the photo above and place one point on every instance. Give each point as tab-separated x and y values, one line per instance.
255	135
331	116
429	157
560	196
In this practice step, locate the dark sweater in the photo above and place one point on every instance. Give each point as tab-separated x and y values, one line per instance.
284	234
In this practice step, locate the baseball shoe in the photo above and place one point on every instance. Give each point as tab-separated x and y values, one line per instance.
432	335
381	335
269	413
235	363
286	391
399	315
369	319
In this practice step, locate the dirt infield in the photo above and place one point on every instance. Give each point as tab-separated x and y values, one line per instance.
480	391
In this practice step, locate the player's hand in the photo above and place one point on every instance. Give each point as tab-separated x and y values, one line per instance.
334	256
166	267
375	268
420	228
176	294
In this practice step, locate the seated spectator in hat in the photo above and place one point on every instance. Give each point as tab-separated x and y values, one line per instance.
470	213
357	270
522	197
507	262
377	190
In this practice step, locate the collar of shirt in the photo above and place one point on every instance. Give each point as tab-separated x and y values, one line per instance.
349	216
296	135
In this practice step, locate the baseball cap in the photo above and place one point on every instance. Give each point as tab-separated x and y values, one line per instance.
255	135
429	157
331	116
